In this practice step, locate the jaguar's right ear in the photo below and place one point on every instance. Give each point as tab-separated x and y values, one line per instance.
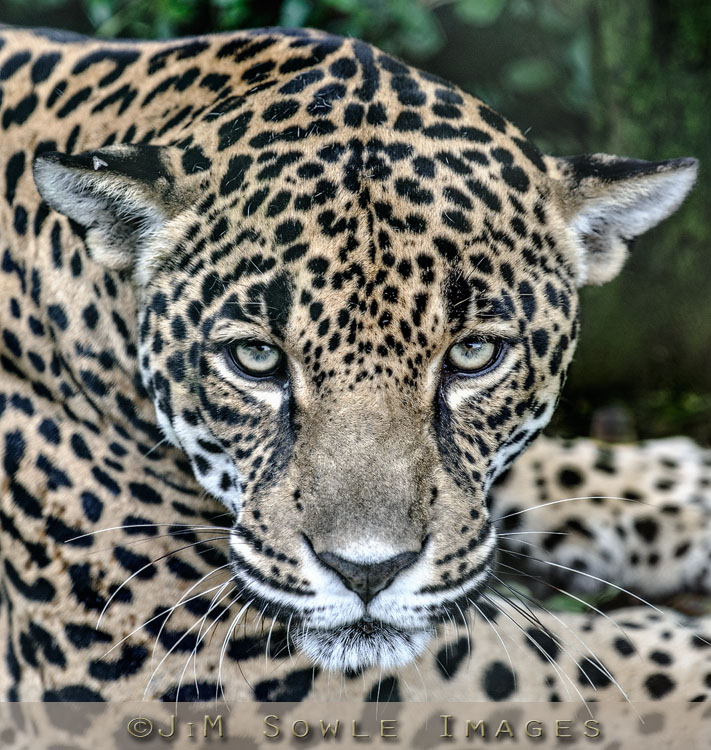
123	195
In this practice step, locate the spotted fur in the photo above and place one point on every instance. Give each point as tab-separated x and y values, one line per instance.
165	200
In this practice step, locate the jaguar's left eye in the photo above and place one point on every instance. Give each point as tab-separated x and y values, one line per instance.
474	356
256	359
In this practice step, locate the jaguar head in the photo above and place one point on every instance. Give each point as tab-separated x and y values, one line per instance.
351	335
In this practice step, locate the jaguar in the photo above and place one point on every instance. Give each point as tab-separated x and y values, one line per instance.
279	313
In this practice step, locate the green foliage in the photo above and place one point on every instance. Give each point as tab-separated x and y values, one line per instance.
529	74
480	12
404	27
583	603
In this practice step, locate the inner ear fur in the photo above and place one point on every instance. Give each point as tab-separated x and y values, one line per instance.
608	201
122	195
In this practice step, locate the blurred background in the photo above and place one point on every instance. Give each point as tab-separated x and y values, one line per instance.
632	78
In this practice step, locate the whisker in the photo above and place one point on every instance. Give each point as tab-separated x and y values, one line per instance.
175	645
181	528
543	629
288	645
466	627
578	599
193	653
269	637
198	640
599	664
197	583
563	676
561	673
520	533
596	661
587	604
377	694
607	583
419	674
157	445
148	539
570	500
498	635
223	650
156	617
587	575
140	570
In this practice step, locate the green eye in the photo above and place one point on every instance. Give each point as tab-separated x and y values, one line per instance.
255	358
474	356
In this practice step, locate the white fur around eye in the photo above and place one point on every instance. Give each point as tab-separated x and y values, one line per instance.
470	356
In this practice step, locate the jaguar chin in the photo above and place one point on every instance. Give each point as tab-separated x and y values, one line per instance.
363	644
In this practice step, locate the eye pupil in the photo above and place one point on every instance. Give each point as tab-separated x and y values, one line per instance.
255	358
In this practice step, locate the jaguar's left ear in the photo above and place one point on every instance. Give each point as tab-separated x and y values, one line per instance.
123	195
608	201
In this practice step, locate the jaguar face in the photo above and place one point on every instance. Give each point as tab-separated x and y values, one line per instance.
351	333
352	406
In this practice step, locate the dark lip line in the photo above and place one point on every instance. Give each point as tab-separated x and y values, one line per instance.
283	612
258	578
377	623
485	564
279	612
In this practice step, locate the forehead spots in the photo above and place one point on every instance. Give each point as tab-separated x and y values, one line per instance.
362	207
274	299
458	296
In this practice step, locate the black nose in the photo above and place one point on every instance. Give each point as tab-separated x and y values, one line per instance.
367	580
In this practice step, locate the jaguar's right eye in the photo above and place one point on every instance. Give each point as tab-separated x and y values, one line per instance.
255	359
475	356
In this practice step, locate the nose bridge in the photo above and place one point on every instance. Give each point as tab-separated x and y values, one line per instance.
362	465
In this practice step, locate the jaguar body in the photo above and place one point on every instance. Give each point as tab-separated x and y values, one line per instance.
279	314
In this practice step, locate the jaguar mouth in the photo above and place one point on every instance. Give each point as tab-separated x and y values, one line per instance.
361	645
